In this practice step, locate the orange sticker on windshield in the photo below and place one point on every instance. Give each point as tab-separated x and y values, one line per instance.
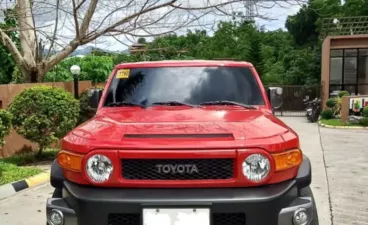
123	74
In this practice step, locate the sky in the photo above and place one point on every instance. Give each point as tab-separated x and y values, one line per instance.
279	14
276	15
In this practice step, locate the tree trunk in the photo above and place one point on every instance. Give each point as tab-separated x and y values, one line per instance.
2	153
40	151
33	76
27	33
30	76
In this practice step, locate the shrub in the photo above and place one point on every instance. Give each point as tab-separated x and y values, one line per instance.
5	125
327	114
364	121
357	105
330	103
343	93
44	114
365	111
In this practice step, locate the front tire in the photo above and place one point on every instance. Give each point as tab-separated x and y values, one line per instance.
314	117
307	192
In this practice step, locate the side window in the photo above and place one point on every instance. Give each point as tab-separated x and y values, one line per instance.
110	95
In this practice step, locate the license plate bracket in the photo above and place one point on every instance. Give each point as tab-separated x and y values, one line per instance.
176	216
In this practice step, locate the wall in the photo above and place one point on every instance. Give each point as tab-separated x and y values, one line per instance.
355	41
14	142
325	70
337	42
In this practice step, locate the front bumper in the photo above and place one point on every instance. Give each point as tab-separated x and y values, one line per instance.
267	205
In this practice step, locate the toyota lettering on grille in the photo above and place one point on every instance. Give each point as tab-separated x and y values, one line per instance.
174	169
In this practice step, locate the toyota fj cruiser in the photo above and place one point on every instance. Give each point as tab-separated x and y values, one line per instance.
182	143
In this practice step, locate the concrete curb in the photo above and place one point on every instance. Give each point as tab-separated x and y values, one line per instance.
342	127
10	189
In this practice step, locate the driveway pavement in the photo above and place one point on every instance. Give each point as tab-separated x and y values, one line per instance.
311	146
346	160
340	187
26	208
340	171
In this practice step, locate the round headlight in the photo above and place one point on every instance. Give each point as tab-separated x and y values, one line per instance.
99	168
256	167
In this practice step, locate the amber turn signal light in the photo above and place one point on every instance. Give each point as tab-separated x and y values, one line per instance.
70	161
288	159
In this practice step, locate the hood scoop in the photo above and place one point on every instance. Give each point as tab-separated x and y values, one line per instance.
218	136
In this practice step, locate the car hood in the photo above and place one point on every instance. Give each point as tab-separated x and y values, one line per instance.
122	128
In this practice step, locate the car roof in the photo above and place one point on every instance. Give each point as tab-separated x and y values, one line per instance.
184	63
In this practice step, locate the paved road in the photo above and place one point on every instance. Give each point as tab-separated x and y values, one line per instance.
343	182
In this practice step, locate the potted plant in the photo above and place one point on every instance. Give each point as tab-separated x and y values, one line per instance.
356	107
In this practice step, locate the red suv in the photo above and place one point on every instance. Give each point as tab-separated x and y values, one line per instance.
182	143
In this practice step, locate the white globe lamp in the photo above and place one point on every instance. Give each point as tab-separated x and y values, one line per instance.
75	70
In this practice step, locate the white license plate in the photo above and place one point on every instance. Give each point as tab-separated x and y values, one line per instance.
176	216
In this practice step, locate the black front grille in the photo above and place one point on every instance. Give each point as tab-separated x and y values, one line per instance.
217	219
177	169
124	219
228	219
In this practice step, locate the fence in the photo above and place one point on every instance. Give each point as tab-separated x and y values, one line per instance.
291	101
14	142
9	91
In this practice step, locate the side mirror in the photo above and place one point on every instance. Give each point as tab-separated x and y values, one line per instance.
275	96
94	96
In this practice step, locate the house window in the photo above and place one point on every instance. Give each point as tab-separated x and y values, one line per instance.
363	72
349	70
336	71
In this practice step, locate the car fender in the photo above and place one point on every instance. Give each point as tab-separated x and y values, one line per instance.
56	176
304	176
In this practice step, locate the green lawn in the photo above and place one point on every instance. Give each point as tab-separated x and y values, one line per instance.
10	172
12	168
337	122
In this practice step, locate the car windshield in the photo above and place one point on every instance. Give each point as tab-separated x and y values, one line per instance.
186	85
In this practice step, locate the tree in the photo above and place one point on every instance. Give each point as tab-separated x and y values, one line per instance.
253	37
303	27
7	63
94	68
299	67
142	40
44	45
5	126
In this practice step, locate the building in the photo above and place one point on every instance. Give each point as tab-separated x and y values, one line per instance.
344	63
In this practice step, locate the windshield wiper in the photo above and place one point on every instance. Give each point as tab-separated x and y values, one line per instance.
227	103
125	104
174	103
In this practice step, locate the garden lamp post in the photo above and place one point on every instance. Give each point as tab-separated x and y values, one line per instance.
75	70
